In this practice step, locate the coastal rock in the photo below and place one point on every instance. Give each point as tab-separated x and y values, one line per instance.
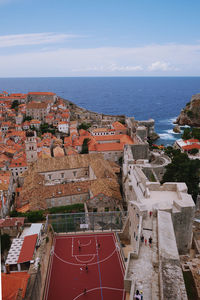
177	129
154	136
190	115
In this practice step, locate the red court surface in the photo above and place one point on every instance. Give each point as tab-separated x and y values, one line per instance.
67	276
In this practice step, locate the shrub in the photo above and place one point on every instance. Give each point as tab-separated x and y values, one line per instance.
84	126
193	151
190	114
85	146
78	207
35	216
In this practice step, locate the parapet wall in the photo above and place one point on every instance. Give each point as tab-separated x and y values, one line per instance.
171	278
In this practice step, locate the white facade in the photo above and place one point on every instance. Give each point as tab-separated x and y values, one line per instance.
63	127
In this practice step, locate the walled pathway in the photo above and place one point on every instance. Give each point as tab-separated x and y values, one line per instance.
142	268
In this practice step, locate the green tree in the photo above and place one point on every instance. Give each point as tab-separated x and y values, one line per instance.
45	127
122	121
85	146
186	134
190	114
15	104
84	126
27	118
193	151
196	133
35	216
5	242
182	169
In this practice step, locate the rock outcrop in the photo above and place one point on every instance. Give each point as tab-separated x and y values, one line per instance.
176	129
190	115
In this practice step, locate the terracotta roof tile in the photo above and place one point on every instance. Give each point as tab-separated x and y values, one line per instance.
36	105
11	222
28	247
42	93
11	283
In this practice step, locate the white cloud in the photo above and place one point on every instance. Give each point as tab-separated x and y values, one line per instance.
109	68
161	66
33	39
150	60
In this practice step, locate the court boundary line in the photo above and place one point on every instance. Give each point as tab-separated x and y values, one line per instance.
86	261
83	245
82	235
95	236
80	245
50	270
103	287
70	263
119	258
97	246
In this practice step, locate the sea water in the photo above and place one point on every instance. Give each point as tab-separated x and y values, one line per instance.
160	98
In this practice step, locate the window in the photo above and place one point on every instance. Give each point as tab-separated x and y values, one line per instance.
62	175
49	176
74	173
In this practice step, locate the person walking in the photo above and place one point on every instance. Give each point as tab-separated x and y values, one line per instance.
137	295
150	241
86	268
142	238
141	295
145	242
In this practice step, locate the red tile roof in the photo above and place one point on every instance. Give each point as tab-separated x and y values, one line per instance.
107	147
117	126
11	283
24	208
36	105
19	162
192	141
42	93
192	146
11	222
28	247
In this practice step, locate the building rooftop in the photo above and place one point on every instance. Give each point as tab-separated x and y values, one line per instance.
14	252
35	228
11	283
28	247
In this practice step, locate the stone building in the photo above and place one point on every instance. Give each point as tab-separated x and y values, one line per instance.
37	110
31	146
11	226
41	96
159	229
71	179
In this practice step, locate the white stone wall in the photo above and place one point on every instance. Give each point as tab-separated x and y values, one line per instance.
66	200
55	177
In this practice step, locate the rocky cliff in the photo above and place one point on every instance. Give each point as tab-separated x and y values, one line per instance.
190	115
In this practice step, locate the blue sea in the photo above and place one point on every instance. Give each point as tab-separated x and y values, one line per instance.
160	98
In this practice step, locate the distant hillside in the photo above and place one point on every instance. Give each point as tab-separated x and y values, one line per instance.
190	115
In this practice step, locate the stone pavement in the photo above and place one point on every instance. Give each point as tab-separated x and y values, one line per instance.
142	268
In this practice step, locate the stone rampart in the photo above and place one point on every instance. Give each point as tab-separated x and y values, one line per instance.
171	278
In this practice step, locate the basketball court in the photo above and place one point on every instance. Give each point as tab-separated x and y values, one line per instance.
85	266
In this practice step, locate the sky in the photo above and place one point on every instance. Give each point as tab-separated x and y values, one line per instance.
99	38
